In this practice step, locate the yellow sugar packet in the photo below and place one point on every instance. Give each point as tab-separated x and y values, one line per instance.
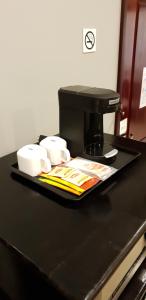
61	186
63	181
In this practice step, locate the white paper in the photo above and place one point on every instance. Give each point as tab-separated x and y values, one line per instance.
143	90
123	126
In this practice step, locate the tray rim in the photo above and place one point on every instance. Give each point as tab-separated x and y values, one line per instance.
64	194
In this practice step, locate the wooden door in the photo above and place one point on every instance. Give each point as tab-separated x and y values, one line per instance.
132	60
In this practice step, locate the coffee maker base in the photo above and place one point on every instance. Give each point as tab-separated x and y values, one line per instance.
105	153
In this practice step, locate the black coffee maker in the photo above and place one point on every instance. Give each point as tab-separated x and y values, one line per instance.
81	110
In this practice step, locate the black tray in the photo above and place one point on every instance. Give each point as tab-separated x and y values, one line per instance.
124	158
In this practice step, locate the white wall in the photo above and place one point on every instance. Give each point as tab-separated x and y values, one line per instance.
40	51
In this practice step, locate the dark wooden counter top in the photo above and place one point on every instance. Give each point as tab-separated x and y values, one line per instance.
77	246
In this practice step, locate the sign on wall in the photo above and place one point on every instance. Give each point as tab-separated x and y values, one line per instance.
89	40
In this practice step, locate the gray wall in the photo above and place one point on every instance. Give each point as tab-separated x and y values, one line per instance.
40	51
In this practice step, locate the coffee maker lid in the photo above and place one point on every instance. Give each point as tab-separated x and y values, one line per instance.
89	99
92	92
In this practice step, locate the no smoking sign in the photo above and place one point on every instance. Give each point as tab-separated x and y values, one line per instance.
89	40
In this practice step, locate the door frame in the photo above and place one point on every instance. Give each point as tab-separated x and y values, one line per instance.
127	47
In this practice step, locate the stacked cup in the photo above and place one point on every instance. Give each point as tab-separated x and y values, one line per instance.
56	148
34	159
